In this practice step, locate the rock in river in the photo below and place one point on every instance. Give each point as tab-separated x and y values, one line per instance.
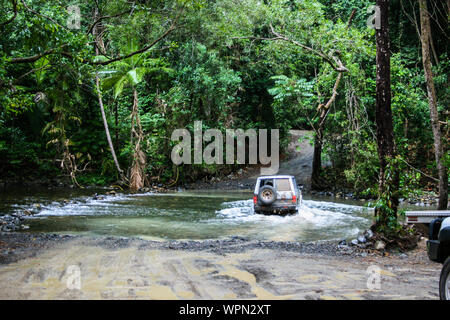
362	239
368	234
380	245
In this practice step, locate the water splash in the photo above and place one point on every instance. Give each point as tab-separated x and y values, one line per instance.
191	215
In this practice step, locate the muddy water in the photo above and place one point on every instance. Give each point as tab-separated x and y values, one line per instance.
146	271
184	215
136	273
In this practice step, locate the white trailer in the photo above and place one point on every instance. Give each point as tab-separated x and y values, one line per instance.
425	216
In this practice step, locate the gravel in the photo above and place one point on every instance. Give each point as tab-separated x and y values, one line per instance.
25	244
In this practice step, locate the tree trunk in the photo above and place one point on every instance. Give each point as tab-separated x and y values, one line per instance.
318	141
432	102
137	174
324	109
116	124
102	109
105	123
317	162
383	118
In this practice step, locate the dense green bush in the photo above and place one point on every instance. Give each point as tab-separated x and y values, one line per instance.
221	65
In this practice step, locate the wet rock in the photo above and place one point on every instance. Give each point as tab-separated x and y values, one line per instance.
354	242
380	245
342	243
18	214
98	197
8	228
27	212
362	239
368	234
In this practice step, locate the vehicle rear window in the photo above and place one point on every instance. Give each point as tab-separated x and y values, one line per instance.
283	184
266	182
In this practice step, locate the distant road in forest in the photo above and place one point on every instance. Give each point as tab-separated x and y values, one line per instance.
300	158
298	161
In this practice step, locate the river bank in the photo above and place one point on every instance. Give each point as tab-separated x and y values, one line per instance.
36	267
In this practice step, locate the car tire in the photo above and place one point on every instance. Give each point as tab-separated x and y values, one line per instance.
444	281
267	195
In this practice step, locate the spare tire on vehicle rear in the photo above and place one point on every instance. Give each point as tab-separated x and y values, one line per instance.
267	195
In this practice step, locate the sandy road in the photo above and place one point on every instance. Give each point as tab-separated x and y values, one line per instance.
134	271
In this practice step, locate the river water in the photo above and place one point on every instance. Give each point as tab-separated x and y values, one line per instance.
183	215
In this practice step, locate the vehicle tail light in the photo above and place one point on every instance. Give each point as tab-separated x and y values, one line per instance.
255	199
294	198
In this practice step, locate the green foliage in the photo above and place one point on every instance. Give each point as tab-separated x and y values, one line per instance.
365	170
16	152
220	65
387	217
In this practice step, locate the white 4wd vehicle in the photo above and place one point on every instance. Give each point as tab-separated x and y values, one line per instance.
276	195
438	248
